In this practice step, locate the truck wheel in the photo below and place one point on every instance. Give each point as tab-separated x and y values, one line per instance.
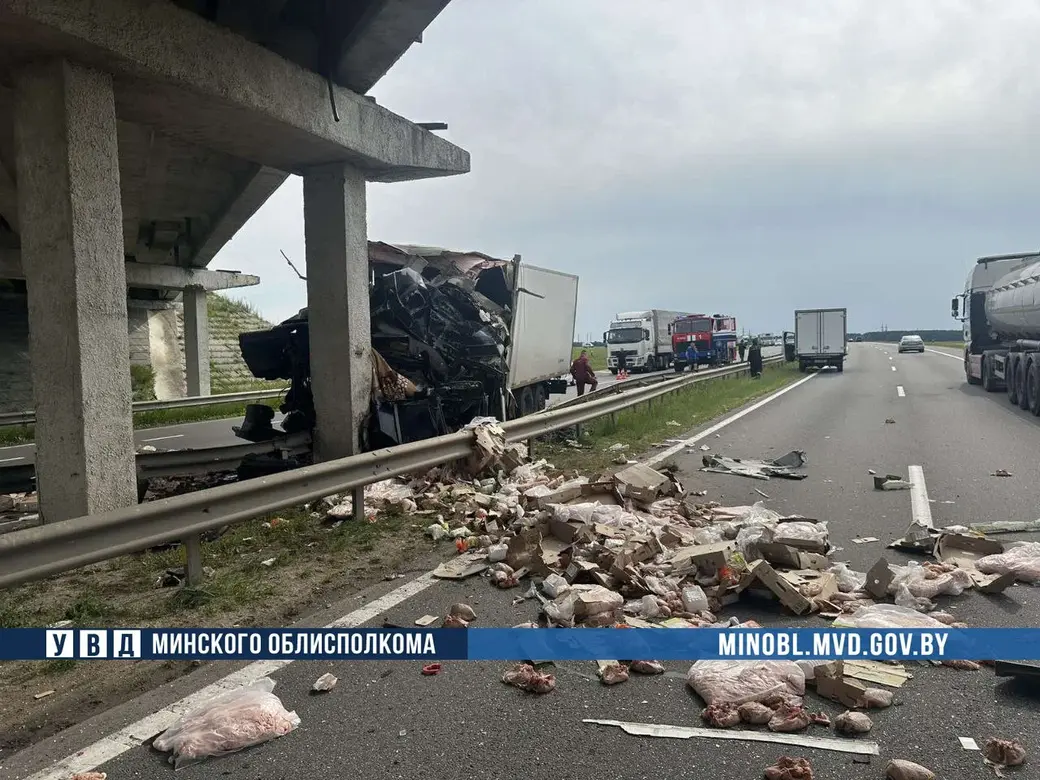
1033	387
801	366
1011	378
1022	375
840	366
967	371
541	398
651	364
613	371
989	382
526	402
678	367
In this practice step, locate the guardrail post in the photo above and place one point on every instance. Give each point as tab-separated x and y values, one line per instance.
357	503
193	560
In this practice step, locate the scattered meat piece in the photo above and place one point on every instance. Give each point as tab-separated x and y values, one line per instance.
1005	752
898	769
943	617
454	622
788	718
788	768
853	723
89	776
646	667
503	580
612	674
721	716
820	718
463	611
431	669
875	699
755	713
527	678
967	666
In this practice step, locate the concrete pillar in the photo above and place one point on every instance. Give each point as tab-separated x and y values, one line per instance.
72	252
196	341
336	234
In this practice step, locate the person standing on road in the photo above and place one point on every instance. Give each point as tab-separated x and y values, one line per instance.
583	373
755	359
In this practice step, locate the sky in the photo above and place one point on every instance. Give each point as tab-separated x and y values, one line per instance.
748	158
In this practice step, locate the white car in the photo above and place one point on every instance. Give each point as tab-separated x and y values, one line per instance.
911	344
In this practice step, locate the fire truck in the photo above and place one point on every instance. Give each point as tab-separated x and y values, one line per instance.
703	339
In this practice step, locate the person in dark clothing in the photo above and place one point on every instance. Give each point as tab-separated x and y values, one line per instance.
755	359
583	373
742	348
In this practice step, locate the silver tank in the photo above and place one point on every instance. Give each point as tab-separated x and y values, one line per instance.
1013	303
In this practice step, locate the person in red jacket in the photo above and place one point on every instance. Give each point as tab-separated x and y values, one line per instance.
583	373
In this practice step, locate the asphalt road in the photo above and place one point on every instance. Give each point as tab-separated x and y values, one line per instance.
385	720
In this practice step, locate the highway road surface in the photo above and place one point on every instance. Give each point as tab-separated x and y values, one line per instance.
386	720
218	433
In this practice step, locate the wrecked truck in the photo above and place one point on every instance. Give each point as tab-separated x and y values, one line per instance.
455	335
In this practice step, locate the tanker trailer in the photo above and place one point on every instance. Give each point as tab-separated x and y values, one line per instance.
1000	309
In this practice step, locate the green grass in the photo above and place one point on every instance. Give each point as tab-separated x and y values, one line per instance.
24	434
597	357
641	427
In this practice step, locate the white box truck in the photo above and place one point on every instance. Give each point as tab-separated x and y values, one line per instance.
640	340
820	337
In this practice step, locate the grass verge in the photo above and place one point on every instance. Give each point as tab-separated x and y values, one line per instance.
639	428
597	357
25	434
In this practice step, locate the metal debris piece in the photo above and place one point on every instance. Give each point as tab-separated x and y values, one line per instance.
1002	473
757	469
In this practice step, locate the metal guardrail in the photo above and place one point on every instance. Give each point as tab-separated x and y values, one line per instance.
45	550
28	418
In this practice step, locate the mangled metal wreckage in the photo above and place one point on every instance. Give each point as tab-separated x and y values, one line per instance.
454	336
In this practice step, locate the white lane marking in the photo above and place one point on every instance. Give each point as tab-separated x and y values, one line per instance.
945	354
724	422
164	438
889	357
132	736
919	504
11	460
893	368
900	391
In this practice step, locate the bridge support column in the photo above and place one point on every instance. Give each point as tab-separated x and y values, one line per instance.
196	341
72	253
336	234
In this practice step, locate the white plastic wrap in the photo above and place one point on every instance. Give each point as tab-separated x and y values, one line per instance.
798	531
737	682
1023	560
886	616
748	538
926	583
848	580
226	724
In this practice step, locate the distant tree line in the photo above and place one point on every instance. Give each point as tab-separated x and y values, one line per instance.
895	335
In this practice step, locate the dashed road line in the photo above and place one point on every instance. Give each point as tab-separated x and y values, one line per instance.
900	391
893	368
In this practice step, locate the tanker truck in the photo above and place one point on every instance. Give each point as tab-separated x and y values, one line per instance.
1000	309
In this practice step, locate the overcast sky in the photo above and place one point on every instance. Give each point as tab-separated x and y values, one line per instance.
747	157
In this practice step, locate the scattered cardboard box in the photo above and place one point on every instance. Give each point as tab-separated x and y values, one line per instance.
761	571
831	684
879	577
788	557
644	484
426	620
710	557
462	567
891	675
962	550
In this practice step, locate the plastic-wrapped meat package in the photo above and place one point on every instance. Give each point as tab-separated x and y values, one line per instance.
886	616
710	535
737	682
904	598
929	581
226	724
799	531
757	514
748	538
581	513
848	580
1023	560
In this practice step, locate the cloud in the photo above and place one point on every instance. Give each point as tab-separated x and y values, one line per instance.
751	157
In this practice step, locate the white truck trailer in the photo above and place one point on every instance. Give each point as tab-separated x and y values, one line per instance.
1000	309
820	338
640	340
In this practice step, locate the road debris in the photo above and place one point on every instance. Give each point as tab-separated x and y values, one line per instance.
855	746
463	611
891	482
90	776
527	678
612	672
890	421
853	723
325	683
226	724
899	769
787	768
967	743
757	469
431	669
1002	473
646	667
426	620
43	694
865	540
1002	753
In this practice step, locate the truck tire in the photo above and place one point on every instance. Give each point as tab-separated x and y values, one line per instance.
526	402
613	371
1033	387
840	366
651	364
967	371
1011	378
541	398
801	366
1022	375
989	382
678	367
